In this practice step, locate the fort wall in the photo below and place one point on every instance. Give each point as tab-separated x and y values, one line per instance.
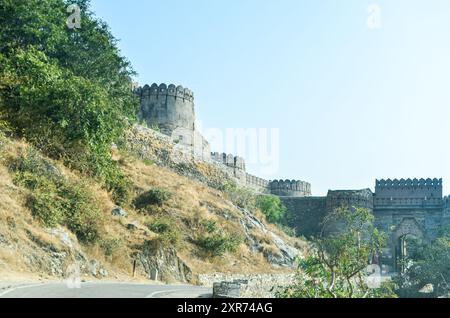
290	188
170	109
306	214
409	189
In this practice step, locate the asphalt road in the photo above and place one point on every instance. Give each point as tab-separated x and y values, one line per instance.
106	290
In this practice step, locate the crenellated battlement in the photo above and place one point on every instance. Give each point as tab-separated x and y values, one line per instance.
402	183
229	160
290	188
350	198
408	188
164	90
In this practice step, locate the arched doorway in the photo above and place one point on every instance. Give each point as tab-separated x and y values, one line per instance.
407	233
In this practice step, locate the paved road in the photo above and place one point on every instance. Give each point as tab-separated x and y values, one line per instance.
106	290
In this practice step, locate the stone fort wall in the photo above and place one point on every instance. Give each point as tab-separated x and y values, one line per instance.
236	165
171	110
409	189
167	107
307	214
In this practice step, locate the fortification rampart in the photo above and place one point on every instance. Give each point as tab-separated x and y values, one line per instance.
163	90
229	160
350	198
257	183
408	188
291	188
171	110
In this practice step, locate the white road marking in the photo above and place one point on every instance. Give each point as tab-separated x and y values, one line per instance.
20	287
152	295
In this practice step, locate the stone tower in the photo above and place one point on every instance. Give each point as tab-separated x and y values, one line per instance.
170	108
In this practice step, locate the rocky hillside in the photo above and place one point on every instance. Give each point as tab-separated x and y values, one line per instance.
181	222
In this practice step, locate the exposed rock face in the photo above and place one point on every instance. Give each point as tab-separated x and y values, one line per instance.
162	264
287	254
57	259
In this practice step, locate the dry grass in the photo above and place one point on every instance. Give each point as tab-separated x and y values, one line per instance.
191	204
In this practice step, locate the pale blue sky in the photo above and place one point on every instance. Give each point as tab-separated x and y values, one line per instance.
352	104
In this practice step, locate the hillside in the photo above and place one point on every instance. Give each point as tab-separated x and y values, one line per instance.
175	228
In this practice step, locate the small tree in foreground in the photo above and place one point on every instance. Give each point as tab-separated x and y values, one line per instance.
337	265
428	265
272	207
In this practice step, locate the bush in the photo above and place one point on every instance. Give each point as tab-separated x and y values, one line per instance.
54	200
272	207
155	196
169	234
160	226
46	206
120	187
218	244
67	92
111	245
242	197
210	226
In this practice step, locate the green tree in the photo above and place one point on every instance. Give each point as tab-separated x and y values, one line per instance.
67	91
337	265
428	263
272	207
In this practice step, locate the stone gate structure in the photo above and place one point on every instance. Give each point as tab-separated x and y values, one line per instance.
402	208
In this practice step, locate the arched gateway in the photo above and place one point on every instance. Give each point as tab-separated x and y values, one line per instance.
408	228
406	209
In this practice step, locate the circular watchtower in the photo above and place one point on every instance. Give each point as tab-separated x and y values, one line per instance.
168	108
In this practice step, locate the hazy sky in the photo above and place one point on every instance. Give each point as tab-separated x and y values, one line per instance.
352	103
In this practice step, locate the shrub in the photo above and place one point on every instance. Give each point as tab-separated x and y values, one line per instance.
155	196
272	207
242	197
120	187
111	245
46	206
168	231
210	226
160	226
54	200
218	244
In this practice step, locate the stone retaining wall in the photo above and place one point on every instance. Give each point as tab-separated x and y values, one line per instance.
246	286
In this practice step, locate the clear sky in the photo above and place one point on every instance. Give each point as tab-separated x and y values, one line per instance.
352	103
